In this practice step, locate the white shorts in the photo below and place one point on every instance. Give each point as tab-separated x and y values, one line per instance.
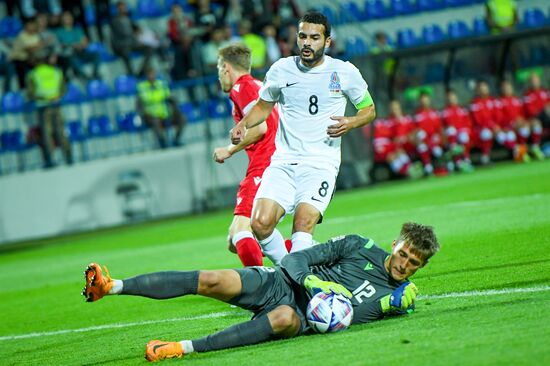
291	184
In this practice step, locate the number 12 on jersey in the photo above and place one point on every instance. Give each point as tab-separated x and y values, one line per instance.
366	290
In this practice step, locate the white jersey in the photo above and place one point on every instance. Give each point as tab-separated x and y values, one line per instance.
307	98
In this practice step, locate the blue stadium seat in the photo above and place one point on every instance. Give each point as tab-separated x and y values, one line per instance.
480	26
10	27
100	48
331	14
129	122
403	7
125	85
218	108
98	89
13	141
149	9
406	38
73	94
192	113
457	3
457	29
355	46
432	33
13	102
533	18
376	9
100	126
430	5
75	131
350	12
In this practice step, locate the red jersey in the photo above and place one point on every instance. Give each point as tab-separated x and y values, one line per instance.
457	117
511	110
244	95
404	125
384	128
535	101
485	112
428	120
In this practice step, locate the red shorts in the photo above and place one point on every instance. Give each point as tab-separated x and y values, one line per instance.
247	191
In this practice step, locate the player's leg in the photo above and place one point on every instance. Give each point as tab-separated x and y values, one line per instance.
221	284
274	198
315	190
536	137
243	242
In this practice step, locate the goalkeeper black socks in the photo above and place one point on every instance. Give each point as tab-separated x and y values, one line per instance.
162	285
251	332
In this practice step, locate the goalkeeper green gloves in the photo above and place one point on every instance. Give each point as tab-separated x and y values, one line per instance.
314	284
400	299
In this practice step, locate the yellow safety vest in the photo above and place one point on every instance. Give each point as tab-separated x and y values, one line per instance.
154	98
47	81
502	12
258	49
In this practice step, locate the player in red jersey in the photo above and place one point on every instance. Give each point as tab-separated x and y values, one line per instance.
404	128
458	131
485	114
259	143
429	136
513	119
387	147
536	102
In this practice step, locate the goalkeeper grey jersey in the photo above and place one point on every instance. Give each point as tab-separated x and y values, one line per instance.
352	261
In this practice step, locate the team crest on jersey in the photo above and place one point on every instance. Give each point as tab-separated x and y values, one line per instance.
334	87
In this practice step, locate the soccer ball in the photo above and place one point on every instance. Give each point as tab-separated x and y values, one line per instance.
329	312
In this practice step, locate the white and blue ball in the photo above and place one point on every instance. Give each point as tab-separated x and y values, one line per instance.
328	313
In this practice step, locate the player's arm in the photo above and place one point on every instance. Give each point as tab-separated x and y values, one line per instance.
297	265
257	114
366	114
252	135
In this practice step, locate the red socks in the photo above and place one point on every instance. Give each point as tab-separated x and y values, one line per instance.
249	252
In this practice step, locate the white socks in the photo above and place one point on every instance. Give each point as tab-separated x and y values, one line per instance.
274	247
301	240
117	287
187	347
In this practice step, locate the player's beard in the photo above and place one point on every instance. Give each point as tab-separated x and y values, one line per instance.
316	56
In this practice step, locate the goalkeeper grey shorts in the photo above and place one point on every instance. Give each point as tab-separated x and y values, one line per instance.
266	288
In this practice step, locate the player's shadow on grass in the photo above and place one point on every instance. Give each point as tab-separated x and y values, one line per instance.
114	361
462	270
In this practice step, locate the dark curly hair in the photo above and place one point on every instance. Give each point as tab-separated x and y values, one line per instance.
314	17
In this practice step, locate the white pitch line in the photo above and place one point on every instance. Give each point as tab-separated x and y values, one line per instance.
229	313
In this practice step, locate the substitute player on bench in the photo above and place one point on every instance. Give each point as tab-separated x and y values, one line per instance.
375	281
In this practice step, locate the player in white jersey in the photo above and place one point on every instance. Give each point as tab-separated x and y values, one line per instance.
311	91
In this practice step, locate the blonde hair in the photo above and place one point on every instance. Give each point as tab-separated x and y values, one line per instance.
238	55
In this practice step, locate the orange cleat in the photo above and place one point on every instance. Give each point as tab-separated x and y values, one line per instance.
160	350
97	284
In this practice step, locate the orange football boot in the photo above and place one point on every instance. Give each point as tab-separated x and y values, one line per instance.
97	284
160	350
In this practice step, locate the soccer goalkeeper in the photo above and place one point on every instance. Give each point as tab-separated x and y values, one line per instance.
375	281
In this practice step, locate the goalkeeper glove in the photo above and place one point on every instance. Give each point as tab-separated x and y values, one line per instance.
314	284
400	299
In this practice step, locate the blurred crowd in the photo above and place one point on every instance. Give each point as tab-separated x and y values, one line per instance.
430	141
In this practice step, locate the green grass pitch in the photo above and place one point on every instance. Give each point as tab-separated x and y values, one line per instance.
494	226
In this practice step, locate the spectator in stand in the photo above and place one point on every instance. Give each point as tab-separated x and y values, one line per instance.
458	132
255	42
124	40
50	43
273	50
157	107
256	12
76	9
205	19
429	135
24	49
536	100
287	43
381	43
7	69
187	58
501	15
285	12
102	14
46	87
485	116
210	51
73	52
179	23
147	38
388	151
